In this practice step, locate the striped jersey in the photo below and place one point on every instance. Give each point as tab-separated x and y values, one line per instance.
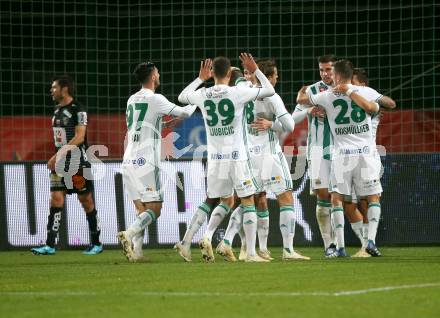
318	128
270	108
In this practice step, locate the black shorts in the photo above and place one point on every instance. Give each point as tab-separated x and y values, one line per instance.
78	184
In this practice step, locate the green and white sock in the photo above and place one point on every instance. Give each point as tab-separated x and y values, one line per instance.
250	228
141	223
199	217
217	216
234	225
323	208
337	216
357	228
373	220
287	226
262	228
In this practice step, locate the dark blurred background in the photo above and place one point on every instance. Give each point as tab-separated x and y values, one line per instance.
100	42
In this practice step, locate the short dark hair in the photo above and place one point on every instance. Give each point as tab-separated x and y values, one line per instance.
361	74
344	68
267	66
143	71
221	66
327	58
65	81
236	73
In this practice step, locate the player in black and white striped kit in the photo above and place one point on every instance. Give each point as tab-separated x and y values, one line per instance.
70	169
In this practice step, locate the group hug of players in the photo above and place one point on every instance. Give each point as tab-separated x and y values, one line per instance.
243	118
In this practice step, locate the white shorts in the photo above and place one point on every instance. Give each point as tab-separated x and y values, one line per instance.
223	177
362	172
142	182
272	173
319	172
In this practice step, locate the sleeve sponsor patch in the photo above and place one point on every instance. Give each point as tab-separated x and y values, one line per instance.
82	118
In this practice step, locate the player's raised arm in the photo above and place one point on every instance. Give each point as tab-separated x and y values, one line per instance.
204	74
248	63
370	107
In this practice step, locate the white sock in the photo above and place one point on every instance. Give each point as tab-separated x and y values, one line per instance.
250	228
287	226
324	221
217	216
197	221
357	229
373	220
142	221
337	217
365	234
242	235
263	228
234	225
138	241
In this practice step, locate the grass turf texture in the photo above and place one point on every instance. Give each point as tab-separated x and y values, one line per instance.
70	284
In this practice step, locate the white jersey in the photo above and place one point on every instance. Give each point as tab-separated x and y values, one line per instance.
222	108
144	126
375	119
270	108
350	125
318	128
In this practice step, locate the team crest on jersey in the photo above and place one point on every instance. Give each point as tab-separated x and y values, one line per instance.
322	88
235	155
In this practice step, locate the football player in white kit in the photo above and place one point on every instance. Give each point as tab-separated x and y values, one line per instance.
348	110
360	223
228	162
141	163
270	168
319	143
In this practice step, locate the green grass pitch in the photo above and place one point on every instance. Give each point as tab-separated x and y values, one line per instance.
403	283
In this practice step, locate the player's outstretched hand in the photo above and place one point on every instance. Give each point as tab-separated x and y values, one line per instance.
205	69
248	62
261	124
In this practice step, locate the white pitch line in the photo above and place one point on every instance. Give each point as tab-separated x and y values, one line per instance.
221	294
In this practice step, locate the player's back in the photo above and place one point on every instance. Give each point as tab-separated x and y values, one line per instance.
350	124
222	108
144	124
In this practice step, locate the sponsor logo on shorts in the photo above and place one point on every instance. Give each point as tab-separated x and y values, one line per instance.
273	180
247	184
